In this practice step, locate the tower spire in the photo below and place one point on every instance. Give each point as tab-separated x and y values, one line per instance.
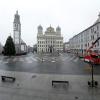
17	12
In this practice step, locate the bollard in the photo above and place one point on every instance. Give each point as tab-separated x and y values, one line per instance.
96	83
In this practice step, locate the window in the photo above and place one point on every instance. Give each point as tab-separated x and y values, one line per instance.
88	44
15	25
93	37
98	43
97	28
81	40
91	30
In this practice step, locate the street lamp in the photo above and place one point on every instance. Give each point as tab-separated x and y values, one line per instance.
42	55
92	83
58	52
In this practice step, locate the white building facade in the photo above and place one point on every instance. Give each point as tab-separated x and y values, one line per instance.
1	48
17	32
82	41
20	45
49	42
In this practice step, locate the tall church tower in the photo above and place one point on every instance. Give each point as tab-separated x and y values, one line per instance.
17	32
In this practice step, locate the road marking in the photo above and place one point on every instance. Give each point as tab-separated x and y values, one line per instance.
28	60
15	59
38	58
41	59
5	62
53	61
33	59
71	58
21	59
76	60
63	59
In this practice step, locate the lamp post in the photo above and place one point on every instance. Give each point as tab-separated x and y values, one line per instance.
42	55
92	83
92	75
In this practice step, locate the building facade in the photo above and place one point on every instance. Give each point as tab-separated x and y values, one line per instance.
24	48
82	41
17	32
49	42
66	47
20	45
34	48
1	48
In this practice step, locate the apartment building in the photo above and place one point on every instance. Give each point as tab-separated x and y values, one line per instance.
82	41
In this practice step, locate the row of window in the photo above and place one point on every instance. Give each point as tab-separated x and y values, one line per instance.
47	50
86	45
92	38
43	42
79	38
84	39
93	30
48	46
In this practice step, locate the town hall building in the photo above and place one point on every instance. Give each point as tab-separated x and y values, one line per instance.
50	41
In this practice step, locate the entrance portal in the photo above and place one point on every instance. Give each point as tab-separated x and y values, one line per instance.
51	49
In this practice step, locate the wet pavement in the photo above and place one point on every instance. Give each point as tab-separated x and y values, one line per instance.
34	75
33	63
33	86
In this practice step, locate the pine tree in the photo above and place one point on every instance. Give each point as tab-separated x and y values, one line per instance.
9	48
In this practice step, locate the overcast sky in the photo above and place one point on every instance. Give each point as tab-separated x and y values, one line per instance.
73	16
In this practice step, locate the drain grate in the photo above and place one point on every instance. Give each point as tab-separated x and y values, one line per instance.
76	98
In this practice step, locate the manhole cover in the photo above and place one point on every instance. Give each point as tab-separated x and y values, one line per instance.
33	76
76	98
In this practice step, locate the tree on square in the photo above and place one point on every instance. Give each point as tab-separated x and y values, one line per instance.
9	48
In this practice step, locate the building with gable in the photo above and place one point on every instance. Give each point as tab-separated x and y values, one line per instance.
50	41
